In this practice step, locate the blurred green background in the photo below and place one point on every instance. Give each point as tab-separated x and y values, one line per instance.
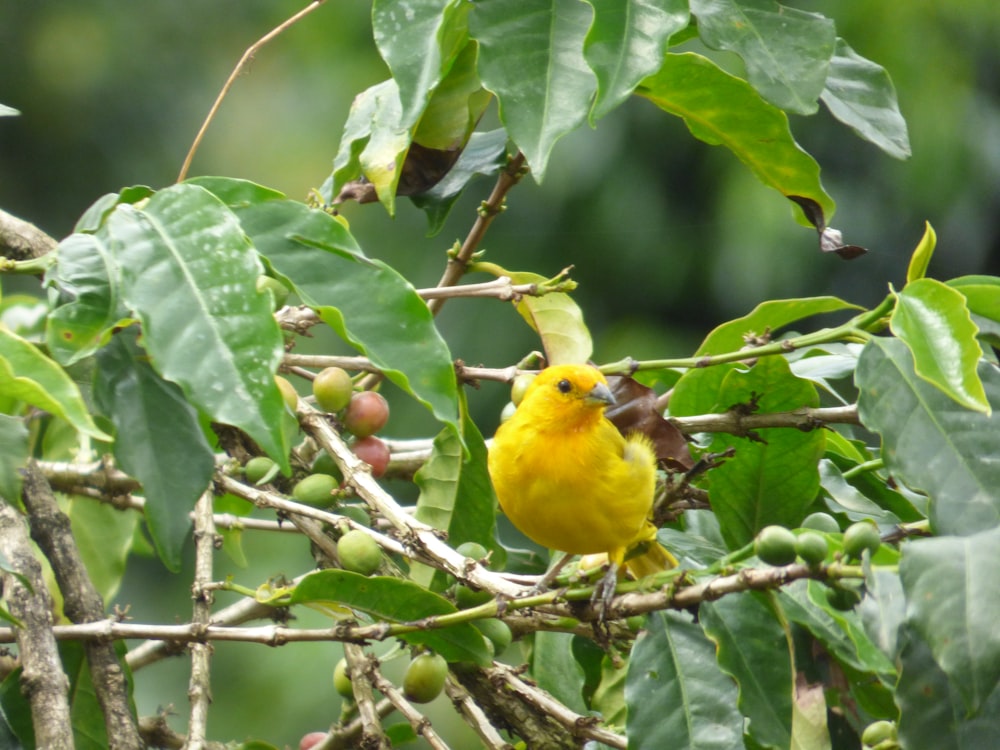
668	236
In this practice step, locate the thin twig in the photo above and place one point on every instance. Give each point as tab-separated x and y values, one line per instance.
493	205
50	528
247	57
199	687
42	681
421	725
372	734
474	716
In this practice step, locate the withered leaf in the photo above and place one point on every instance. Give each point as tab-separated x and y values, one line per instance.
634	410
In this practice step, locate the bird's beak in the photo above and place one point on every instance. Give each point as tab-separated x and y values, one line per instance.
600	393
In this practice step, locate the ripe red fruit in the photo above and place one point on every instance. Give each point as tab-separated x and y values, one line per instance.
366	414
311	740
373	452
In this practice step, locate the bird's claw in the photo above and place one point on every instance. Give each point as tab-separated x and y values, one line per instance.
604	592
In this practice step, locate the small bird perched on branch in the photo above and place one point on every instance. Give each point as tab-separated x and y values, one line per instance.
569	480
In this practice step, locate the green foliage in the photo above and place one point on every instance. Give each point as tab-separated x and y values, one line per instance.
156	330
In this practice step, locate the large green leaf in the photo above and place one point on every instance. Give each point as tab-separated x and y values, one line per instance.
159	442
677	696
456	495
931	711
767	317
366	302
786	51
626	43
753	647
531	58
28	375
190	276
772	478
86	279
929	441
860	94
982	294
398	601
932	319
721	109
953	602
418	39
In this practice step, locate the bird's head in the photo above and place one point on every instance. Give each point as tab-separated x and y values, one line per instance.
568	393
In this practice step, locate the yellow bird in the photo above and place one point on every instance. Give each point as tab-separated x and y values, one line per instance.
567	478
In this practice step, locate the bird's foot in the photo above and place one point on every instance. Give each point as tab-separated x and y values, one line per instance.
604	592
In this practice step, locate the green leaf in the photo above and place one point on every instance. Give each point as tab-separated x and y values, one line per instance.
398	601
860	94
921	257
626	43
366	302
929	441
190	276
982	294
786	51
104	536
159	442
931	711
556	670
234	192
456	105
456	495
932	320
769	316
753	647
609	694
953	603
86	278
28	375
13	455
484	154
418	39
94	217
772	478
883	610
677	696
357	133
844	497
531	58
721	109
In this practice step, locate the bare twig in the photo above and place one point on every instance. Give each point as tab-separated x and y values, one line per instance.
738	423
248	55
43	681
200	684
372	735
22	240
493	205
50	529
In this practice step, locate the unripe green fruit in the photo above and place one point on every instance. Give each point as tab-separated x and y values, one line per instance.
316	490
279	292
257	468
366	414
472	549
359	553
859	537
288	392
821	522
357	514
507	412
635	622
879	731
519	387
424	678
341	682
467	598
333	389
812	547
324	464
498	633
775	545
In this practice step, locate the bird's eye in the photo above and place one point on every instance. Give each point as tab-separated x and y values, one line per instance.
564	386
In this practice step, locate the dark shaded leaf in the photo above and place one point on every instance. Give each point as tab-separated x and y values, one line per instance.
635	410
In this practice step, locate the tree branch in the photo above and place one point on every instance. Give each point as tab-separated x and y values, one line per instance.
372	735
43	681
21	240
50	529
200	685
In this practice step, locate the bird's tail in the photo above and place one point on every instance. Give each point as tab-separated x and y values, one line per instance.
649	557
